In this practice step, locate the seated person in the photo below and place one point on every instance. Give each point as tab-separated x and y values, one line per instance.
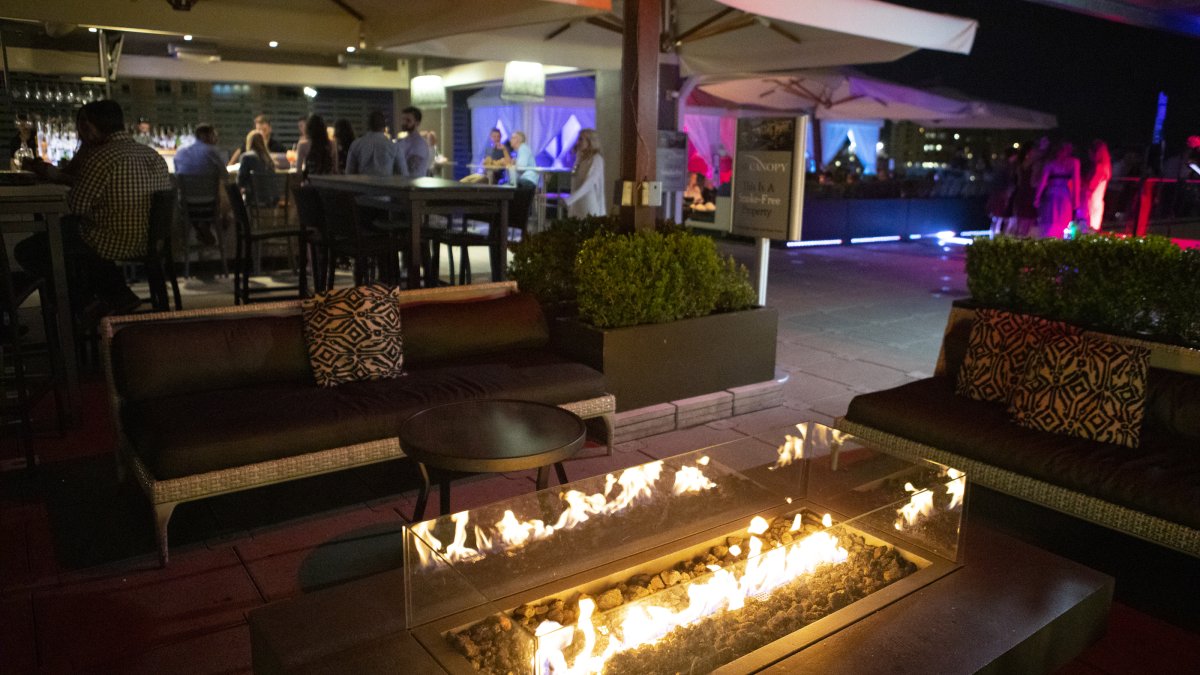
698	196
495	157
256	159
522	171
110	205
201	158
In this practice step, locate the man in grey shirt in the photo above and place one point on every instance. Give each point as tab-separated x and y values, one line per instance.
373	153
416	148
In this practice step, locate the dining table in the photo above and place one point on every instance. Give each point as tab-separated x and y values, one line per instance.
421	197
30	209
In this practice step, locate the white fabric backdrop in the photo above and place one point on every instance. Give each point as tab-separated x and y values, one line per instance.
865	134
549	121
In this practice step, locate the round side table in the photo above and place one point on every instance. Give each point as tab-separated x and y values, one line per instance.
489	436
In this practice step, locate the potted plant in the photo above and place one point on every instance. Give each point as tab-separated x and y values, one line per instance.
1145	287
662	314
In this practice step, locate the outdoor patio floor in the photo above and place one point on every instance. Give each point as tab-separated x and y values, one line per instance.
81	591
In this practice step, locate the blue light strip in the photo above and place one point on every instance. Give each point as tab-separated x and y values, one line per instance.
873	240
815	242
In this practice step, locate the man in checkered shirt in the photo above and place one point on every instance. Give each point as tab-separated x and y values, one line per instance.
110	203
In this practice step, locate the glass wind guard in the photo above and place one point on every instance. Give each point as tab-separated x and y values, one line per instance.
593	571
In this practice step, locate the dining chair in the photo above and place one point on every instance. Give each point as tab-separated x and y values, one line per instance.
486	234
310	217
249	239
376	253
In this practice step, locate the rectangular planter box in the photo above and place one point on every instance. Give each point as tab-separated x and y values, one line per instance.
657	363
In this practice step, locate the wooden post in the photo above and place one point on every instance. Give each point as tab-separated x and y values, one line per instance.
639	106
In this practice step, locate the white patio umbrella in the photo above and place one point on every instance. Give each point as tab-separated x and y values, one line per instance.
829	94
729	36
992	115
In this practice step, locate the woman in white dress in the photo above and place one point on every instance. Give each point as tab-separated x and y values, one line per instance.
587	178
1096	184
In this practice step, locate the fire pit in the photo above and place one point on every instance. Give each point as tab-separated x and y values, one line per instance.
732	557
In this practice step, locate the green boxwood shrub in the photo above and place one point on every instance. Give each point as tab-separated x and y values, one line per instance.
625	280
1145	285
544	263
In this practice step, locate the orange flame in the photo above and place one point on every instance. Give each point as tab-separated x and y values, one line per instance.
645	622
956	487
919	506
637	484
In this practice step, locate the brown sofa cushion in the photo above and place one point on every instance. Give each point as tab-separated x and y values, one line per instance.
1084	386
161	358
209	431
353	334
1161	477
438	331
998	347
169	358
1173	403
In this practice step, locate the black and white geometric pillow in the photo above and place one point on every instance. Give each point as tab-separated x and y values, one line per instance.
997	349
1086	387
354	334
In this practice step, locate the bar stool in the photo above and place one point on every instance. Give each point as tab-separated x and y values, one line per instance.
249	238
27	387
159	262
201	205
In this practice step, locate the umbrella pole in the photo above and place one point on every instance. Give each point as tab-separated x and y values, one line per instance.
639	112
817	153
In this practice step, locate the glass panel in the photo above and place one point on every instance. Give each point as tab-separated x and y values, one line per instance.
668	562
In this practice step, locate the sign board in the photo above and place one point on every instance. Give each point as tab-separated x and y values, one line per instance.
672	160
768	177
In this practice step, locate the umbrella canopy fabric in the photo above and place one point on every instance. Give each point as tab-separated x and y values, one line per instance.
992	115
831	94
710	36
845	94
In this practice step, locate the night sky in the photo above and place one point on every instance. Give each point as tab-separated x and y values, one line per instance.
1100	78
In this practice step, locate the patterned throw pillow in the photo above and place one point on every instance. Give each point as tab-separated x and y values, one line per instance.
997	349
1084	386
354	334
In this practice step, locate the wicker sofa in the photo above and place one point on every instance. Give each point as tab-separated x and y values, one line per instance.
208	402
1151	492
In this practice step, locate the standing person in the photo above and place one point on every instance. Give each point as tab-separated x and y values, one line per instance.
142	133
302	145
110	204
1004	186
373	153
1058	192
262	124
322	152
587	178
343	134
414	147
1029	163
1099	173
522	172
